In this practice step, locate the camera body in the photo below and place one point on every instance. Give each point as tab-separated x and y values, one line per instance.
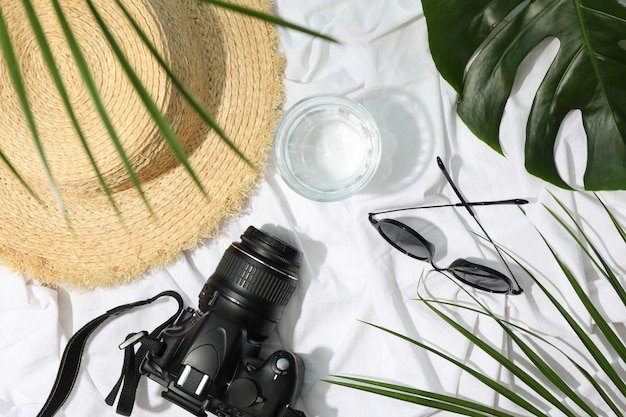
209	358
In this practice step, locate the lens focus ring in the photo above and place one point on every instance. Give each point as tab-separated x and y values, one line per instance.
256	278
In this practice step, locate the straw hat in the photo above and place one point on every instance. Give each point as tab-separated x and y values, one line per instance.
230	61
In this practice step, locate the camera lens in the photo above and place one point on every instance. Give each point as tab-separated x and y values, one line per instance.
253	282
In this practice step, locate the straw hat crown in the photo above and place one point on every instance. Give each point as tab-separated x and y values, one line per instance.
228	61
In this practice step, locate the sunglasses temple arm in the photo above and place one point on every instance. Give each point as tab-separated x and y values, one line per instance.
465	204
517	201
453	185
518	289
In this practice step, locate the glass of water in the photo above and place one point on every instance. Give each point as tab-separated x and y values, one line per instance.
327	147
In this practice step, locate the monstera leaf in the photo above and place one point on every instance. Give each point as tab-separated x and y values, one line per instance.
478	46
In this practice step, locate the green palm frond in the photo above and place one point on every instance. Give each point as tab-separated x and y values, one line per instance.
11	61
268	18
540	381
420	397
164	125
58	81
191	98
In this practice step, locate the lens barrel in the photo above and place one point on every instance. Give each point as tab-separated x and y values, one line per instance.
253	282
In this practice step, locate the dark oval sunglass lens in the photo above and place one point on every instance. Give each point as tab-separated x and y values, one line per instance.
480	276
404	239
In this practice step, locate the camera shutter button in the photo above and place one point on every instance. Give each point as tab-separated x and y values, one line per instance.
242	392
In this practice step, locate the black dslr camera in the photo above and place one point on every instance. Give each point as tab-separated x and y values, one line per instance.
210	360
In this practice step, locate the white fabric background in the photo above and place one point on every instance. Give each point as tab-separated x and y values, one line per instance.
349	273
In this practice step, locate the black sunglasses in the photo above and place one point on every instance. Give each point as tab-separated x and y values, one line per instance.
411	243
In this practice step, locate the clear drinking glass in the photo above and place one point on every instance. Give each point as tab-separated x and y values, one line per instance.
327	147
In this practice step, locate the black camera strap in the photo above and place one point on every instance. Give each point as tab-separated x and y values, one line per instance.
72	356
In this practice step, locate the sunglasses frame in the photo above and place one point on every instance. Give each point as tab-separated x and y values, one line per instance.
430	248
513	286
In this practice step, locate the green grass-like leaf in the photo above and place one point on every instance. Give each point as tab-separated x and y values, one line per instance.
521	337
511	327
579	331
597	260
161	121
491	383
20	89
88	80
191	98
58	81
268	18
618	226
507	363
599	320
416	396
605	328
165	127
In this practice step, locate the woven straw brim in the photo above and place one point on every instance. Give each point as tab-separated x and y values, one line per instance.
230	61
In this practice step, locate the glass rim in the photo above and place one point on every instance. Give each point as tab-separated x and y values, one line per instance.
324	106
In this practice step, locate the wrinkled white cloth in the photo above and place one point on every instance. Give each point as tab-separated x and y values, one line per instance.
350	275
